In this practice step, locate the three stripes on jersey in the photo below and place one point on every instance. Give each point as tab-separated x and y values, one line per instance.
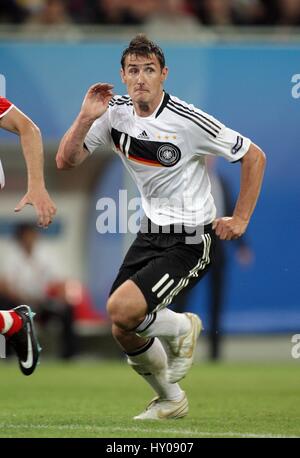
198	118
207	124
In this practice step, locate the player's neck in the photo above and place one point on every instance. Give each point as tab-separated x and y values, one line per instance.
144	109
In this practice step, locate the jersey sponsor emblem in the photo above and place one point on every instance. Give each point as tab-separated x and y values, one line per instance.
238	145
143	135
168	154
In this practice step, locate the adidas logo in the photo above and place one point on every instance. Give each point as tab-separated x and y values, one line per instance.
143	135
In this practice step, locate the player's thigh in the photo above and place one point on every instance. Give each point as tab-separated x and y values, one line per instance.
178	268
137	257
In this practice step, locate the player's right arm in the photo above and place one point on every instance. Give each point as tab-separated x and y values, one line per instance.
15	121
71	151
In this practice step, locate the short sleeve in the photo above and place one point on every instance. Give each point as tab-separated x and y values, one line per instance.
99	133
210	137
5	106
226	143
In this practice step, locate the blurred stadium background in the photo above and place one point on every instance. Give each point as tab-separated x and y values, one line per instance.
236	59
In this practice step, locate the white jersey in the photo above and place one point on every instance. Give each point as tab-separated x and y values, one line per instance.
165	154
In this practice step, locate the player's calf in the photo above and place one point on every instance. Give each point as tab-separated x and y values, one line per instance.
127	340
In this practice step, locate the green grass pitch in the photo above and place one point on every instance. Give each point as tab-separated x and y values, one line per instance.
99	399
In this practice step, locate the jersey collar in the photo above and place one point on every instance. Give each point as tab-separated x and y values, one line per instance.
162	105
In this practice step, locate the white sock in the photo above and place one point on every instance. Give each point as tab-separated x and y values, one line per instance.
7	320
164	323
151	363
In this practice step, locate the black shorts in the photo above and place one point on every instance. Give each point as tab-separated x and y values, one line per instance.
162	265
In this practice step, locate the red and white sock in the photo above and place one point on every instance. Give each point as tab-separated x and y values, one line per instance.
10	322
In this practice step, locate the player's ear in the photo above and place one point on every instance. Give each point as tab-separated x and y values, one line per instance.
164	73
122	75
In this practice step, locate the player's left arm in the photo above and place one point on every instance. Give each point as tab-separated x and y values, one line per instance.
252	171
31	141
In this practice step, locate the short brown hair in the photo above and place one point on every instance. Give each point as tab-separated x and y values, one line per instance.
142	46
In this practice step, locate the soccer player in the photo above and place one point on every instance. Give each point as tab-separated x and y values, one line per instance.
163	142
17	324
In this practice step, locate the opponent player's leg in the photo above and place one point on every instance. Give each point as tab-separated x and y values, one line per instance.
18	328
127	307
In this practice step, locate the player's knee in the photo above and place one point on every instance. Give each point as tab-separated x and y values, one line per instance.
123	314
112	308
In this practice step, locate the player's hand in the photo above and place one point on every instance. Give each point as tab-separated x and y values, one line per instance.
43	204
229	228
96	100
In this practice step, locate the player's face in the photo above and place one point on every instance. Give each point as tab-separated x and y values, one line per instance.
143	77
